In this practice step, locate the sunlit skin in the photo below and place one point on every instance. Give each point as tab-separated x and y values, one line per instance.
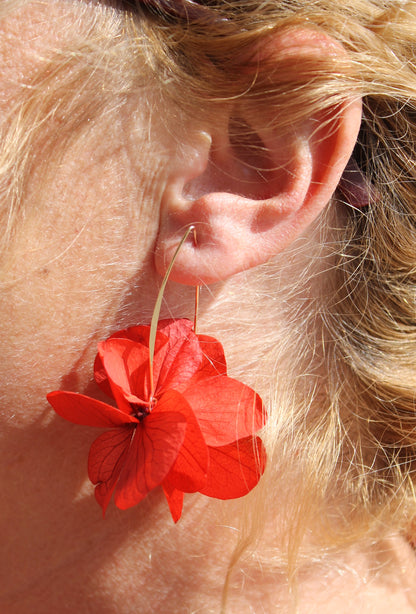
80	267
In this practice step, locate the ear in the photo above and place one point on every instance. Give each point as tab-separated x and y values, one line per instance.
250	193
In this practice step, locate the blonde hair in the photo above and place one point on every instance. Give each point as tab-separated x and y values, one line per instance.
344	422
362	411
344	425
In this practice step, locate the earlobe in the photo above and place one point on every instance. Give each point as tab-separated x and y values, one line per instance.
249	192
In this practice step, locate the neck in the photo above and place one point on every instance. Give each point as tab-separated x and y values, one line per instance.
138	560
132	558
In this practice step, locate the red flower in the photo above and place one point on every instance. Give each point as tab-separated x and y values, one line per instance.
196	433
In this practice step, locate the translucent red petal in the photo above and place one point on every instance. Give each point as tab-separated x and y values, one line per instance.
226	409
80	409
213	355
105	461
175	500
154	449
189	472
127	366
235	469
181	357
138	334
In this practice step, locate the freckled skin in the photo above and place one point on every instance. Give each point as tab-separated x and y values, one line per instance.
75	274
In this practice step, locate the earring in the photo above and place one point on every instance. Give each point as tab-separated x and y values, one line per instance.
179	422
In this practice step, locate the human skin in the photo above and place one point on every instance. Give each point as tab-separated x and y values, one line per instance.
77	271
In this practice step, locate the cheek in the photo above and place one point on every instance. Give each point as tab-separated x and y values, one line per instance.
81	262
49	332
71	274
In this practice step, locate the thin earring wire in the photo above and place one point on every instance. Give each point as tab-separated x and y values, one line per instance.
197	291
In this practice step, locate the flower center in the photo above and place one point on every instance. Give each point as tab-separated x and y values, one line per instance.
139	411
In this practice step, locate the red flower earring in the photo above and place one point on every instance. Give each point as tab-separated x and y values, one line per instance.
179	421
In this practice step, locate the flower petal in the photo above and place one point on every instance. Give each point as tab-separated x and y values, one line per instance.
138	334
235	469
175	500
186	355
105	461
154	449
226	409
189	472
214	357
181	357
212	364
127	366
80	409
